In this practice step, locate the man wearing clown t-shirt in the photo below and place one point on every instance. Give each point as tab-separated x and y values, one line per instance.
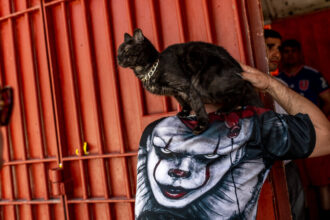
219	173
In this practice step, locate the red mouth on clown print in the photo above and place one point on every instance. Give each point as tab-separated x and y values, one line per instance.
173	192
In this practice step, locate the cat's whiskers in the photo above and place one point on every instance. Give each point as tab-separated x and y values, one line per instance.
151	72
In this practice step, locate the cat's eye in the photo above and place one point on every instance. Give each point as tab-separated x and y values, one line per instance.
211	156
165	151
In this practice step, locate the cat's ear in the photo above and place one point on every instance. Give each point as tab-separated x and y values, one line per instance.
138	36
127	37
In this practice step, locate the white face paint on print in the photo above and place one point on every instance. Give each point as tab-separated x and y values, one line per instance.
182	167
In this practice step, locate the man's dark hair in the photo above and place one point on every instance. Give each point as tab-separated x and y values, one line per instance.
271	33
291	43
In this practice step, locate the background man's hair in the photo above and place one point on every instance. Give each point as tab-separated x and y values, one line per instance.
291	43
271	33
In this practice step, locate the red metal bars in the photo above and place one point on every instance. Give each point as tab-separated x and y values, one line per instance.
117	109
32	91
34	107
20	173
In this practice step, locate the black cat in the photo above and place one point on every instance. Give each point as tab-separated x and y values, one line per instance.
195	73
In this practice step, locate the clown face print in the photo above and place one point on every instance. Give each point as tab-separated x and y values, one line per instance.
181	166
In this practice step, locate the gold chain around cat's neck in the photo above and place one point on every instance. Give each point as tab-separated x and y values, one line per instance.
151	71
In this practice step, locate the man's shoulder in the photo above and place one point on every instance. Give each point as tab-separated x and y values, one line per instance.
309	71
305	71
281	75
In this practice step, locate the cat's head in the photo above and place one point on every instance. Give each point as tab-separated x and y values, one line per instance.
136	51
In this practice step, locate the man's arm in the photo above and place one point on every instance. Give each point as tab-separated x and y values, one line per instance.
293	103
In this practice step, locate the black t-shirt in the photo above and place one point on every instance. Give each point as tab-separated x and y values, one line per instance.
219	173
307	82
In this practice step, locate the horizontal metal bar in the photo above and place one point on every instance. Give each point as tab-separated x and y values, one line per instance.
71	201
54	2
32	161
30	202
16	14
54	159
100	156
28	10
101	200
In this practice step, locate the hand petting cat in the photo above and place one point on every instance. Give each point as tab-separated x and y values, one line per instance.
255	77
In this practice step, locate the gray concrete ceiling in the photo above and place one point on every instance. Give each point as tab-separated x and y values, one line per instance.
275	9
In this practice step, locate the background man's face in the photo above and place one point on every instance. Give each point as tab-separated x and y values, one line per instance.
273	52
291	56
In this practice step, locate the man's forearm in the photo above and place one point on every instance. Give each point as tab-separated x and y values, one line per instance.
294	103
291	101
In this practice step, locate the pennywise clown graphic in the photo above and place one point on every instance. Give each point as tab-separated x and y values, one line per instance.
184	176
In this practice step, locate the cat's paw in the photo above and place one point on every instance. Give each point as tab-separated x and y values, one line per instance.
200	128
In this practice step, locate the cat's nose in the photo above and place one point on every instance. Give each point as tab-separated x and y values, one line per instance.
179	173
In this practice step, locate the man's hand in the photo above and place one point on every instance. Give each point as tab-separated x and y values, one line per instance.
258	79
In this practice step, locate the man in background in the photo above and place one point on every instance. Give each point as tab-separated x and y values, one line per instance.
303	79
273	42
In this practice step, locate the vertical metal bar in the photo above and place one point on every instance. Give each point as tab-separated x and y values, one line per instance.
117	107
165	99
54	93
77	113
281	200
255	20
8	181
20	103
109	49
180	21
181	29
240	4
139	89
257	34
5	132
64	201
39	111
97	110
122	150
207	20
238	14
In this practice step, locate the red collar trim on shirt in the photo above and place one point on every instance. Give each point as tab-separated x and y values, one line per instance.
231	119
295	73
